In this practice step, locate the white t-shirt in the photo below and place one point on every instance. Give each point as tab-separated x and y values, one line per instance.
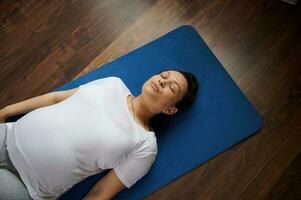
57	146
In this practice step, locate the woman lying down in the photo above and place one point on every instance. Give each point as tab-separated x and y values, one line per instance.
69	135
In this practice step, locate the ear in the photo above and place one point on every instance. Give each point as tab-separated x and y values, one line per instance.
170	110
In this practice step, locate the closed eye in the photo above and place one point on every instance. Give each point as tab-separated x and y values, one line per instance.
162	76
169	86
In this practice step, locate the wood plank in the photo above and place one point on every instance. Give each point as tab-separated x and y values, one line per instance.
261	185
56	40
288	186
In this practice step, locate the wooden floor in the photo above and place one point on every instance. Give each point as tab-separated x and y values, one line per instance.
44	45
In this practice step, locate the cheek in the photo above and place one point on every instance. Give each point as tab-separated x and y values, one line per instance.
174	98
169	97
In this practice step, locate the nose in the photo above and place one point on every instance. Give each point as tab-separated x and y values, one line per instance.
162	83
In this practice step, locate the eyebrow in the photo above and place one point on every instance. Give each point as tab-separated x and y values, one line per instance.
175	82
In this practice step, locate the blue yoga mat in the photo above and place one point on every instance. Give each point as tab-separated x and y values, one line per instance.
220	117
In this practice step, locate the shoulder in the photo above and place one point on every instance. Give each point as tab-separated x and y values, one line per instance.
146	146
102	81
151	143
119	83
112	80
115	79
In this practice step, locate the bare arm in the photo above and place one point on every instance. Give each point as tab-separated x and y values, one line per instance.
29	104
106	188
36	102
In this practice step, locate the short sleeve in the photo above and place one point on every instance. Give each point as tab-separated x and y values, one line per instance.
101	81
134	167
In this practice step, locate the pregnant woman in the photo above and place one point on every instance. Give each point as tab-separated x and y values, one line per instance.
69	135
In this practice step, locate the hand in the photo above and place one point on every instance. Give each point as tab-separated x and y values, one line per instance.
3	116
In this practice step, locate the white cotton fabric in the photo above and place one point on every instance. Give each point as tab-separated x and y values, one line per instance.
57	146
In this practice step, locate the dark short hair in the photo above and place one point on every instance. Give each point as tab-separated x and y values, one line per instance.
191	92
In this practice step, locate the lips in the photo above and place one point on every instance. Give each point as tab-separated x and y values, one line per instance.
154	85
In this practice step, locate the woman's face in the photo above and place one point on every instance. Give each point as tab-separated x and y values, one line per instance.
162	91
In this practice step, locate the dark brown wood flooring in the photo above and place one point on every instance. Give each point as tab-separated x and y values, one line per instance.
44	44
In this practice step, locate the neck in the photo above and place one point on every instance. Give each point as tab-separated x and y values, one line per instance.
141	112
